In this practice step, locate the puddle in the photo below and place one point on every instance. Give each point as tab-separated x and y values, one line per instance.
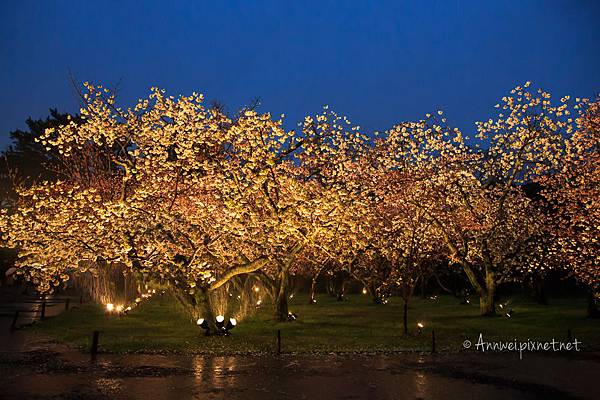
71	375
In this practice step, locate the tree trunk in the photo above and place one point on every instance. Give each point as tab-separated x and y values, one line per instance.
592	307
198	305
374	295
340	296
486	290
313	284
331	287
313	290
539	294
281	301
405	317
441	285
205	309
487	304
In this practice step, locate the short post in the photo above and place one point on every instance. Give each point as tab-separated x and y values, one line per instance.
433	340
67	301
94	349
569	335
43	314
81	299
278	341
14	321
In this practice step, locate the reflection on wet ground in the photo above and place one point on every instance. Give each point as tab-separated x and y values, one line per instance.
33	367
49	371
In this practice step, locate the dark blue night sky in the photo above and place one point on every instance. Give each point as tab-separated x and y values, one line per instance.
377	62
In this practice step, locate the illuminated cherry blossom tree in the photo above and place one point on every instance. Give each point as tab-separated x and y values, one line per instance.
196	197
481	209
575	192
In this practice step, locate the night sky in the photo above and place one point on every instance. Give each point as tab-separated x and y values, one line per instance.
376	62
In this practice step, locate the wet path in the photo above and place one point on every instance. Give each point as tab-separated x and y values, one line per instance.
33	367
49	371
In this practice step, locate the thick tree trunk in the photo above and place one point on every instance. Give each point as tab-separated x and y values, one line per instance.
197	305
205	309
281	300
486	290
487	304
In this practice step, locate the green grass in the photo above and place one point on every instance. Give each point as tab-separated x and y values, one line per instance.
328	326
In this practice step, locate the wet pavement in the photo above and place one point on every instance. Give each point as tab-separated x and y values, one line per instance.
45	370
33	367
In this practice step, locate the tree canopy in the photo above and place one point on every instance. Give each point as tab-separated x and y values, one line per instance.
190	195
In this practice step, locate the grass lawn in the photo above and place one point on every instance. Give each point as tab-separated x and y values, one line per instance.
328	326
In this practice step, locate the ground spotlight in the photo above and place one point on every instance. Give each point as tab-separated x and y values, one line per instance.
110	307
420	326
202	323
291	316
220	321
232	323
